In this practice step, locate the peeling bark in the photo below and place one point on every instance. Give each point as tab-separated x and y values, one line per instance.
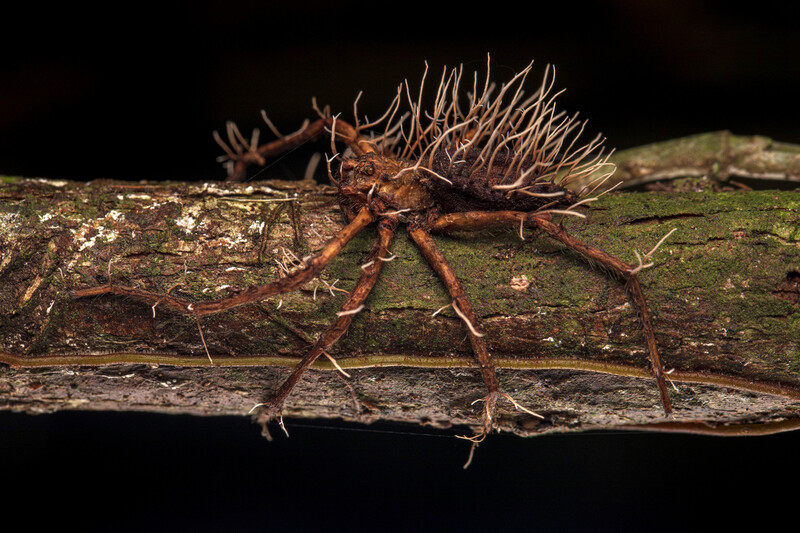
724	295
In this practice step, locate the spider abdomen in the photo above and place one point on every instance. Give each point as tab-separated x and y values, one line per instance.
472	184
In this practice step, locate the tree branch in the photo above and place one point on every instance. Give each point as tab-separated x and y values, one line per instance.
724	295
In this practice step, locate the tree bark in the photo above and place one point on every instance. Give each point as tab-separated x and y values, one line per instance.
723	291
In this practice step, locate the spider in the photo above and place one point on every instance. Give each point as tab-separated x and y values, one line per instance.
483	157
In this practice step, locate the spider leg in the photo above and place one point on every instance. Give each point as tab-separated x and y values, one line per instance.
630	275
476	220
292	281
354	303
242	159
437	261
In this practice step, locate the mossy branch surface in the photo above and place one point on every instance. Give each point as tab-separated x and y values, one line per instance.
724	295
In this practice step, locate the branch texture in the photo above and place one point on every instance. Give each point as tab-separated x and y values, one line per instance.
723	292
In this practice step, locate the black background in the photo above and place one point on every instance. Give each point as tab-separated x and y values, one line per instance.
133	91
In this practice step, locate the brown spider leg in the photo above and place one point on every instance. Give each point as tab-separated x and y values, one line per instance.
437	261
347	133
629	274
470	221
386	231
292	281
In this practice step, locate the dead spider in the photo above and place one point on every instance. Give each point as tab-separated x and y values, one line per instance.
486	157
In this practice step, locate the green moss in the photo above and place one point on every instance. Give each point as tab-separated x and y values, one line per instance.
152	268
787	231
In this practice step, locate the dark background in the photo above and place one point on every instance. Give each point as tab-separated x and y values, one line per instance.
133	90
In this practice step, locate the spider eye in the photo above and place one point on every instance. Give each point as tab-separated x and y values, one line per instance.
368	168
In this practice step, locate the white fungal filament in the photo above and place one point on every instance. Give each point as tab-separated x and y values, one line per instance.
466	320
642	264
536	142
351	311
442	308
335	364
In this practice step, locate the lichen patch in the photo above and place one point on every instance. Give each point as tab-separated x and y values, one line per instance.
520	283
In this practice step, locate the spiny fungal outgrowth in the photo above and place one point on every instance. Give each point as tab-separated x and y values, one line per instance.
510	143
522	139
479	156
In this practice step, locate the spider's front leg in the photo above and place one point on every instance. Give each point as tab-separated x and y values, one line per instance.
478	220
461	304
241	153
354	303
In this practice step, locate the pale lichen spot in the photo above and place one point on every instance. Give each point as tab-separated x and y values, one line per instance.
75	402
232	242
9	221
154	205
520	283
52	183
186	222
30	290
6	260
257	227
102	233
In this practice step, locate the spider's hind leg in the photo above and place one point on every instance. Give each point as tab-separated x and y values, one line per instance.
386	228
461	304
478	220
630	275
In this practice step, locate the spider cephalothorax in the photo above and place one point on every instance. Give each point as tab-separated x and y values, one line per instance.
477	157
391	181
